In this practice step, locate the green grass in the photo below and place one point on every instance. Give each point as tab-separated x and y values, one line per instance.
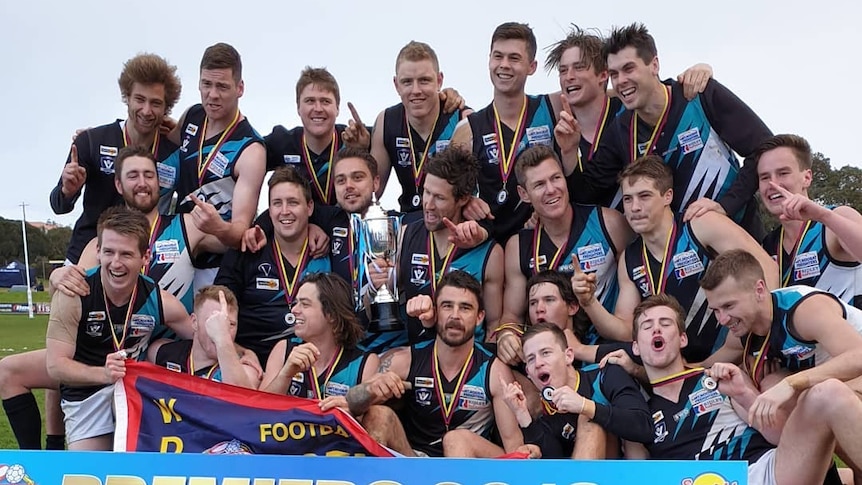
20	334
7	296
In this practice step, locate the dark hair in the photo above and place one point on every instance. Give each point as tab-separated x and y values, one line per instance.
652	301
533	157
461	280
223	56
589	43
128	152
151	69
126	222
798	145
210	292
580	322
635	35
319	77
651	167
541	327
456	166
736	263
516	31
361	153
336	300
289	174
417	51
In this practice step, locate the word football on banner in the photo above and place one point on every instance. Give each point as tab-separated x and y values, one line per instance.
164	411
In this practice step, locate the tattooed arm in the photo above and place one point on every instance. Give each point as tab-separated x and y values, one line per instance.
389	382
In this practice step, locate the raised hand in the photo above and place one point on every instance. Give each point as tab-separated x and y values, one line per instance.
583	284
465	235
217	325
205	216
74	175
301	358
356	134
567	133
253	239
422	307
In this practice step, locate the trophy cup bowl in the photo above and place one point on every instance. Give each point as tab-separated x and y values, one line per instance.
379	233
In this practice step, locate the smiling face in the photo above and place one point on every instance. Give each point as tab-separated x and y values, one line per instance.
634	80
659	338
578	80
509	66
317	109
545	188
289	210
547	360
146	107
121	261
354	184
736	304
139	183
311	322
780	167
418	83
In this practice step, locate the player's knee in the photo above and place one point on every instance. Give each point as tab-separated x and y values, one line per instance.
377	420
458	443
829	397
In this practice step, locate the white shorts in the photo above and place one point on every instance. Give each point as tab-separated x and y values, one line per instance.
91	417
762	472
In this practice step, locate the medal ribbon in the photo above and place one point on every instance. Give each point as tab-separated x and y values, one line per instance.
506	160
555	261
204	164
789	272
600	129
449	410
154	232
290	285
759	361
326	193
417	167
549	409
668	250
633	128
127	140
315	385
447	261
118	344
190	365
676	377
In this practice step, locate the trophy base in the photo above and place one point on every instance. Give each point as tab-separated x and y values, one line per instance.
385	318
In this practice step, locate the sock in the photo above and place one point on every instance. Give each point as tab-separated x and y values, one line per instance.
25	420
55	442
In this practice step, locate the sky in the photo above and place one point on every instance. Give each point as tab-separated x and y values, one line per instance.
786	59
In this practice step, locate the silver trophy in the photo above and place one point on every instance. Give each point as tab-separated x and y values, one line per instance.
377	235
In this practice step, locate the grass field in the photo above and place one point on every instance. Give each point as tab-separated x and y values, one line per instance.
19	334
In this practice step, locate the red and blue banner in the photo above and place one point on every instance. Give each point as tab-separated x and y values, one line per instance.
164	411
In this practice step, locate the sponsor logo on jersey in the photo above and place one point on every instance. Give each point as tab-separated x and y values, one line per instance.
339	231
266	283
423	396
423	382
141	324
687	264
690	140
109	151
191	129
591	257
173	366
265	269
421	259
539	135
99	316
799	352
